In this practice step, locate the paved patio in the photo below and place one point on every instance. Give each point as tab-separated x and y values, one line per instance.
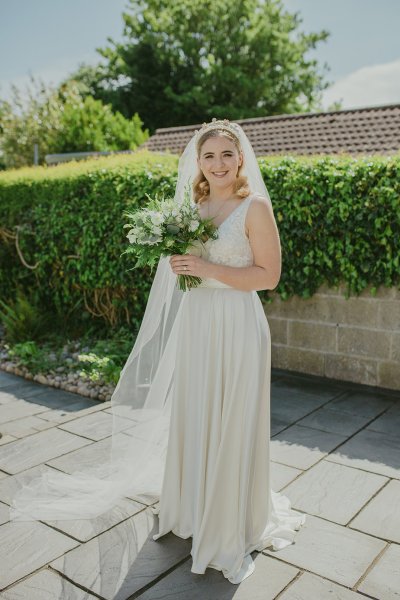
335	453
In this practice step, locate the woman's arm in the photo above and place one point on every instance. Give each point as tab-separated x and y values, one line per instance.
265	244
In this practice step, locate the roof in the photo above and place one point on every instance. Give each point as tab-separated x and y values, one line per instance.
370	130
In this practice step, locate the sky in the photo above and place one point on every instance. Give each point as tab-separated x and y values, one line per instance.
50	38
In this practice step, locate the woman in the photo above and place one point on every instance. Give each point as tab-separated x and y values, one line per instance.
191	408
216	485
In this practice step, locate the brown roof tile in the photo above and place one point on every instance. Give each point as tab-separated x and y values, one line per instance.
371	130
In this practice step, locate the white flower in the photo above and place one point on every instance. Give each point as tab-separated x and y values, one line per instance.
156	218
194	225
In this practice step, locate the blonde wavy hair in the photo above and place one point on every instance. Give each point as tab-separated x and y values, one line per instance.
201	187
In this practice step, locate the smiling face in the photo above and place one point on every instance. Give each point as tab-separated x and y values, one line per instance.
219	161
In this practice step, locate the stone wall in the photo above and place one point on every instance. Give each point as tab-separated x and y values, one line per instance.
355	339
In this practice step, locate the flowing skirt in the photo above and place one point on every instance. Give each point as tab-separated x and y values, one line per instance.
216	486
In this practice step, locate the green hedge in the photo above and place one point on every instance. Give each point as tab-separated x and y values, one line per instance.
338	218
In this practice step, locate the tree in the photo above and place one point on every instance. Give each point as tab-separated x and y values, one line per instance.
62	120
184	62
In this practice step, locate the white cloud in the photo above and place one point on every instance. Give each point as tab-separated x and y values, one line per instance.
369	86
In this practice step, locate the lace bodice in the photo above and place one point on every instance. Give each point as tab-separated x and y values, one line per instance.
232	247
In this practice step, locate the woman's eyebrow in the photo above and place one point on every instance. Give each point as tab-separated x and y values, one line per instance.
223	152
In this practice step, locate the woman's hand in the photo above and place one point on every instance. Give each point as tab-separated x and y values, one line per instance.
196	266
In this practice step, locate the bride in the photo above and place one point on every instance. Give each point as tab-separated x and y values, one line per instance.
191	410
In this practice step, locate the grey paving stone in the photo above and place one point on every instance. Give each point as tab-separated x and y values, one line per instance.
318	489
10	484
383	581
308	587
6	439
27	546
7	379
45	585
277	425
95	426
388	423
294	406
334	421
65	413
302	447
40	447
331	550
381	516
93	454
2	475
372	451
25	426
289	385
4	513
17	409
24	388
85	529
282	475
124	559
268	579
364	404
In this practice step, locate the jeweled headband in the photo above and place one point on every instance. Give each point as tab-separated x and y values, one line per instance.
217	124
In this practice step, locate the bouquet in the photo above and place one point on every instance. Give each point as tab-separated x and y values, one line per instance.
164	228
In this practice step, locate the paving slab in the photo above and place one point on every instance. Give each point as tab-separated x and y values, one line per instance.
6	439
10	483
46	585
331	550
366	404
40	447
4	513
121	561
302	447
65	413
20	428
383	580
27	546
334	421
310	587
85	529
389	422
371	451
293	406
318	489
381	516
269	578
96	426
17	409
282	475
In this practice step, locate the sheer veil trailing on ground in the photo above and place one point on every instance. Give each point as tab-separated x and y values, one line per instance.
130	462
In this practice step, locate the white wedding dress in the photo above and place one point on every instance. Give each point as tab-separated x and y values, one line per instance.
216	486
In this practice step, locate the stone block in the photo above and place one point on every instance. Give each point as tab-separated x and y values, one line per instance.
363	342
124	559
298	359
330	550
317	491
389	374
371	451
278	328
40	447
310	587
348	368
269	578
33	545
46	584
381	516
302	447
312	336
383	580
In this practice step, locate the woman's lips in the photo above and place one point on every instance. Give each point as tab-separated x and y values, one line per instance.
220	176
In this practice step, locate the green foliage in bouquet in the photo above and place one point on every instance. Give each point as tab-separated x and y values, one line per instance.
165	228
